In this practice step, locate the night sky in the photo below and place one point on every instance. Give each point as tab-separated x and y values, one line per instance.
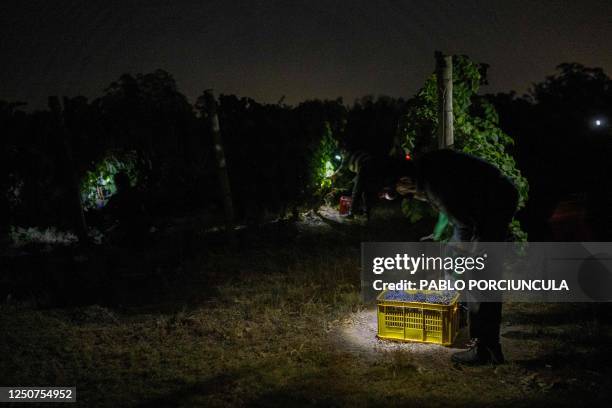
300	49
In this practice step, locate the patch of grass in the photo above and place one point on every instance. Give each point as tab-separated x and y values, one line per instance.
253	326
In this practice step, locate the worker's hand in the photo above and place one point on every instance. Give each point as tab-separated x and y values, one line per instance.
427	238
388	194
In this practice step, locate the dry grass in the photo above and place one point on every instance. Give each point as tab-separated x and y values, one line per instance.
256	326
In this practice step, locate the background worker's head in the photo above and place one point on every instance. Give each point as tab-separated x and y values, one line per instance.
405	178
406	185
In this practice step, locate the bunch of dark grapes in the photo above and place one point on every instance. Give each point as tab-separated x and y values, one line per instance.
440	298
398	295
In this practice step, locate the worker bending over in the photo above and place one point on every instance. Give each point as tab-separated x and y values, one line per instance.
479	202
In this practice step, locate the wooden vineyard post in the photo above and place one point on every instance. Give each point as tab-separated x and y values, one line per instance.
74	190
444	79
446	139
224	183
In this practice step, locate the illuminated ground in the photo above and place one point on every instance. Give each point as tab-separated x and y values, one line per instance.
357	333
274	320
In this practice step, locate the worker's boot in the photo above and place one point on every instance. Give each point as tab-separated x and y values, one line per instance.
479	354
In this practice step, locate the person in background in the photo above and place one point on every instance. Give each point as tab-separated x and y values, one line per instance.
479	202
126	208
368	171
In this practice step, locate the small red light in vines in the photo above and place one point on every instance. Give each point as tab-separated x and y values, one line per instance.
408	156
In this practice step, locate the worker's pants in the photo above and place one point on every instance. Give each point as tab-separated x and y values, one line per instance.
484	321
484	317
364	189
357	198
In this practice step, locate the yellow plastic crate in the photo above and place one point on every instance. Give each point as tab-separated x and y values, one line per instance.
417	321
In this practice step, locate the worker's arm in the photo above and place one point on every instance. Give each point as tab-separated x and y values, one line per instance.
340	169
440	226
419	195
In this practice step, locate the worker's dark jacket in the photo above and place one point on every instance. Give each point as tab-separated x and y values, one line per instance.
370	172
127	209
476	196
480	202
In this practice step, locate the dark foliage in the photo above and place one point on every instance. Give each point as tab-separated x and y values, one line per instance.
270	148
557	145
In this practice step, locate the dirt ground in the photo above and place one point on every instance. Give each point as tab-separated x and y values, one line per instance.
520	342
274	319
